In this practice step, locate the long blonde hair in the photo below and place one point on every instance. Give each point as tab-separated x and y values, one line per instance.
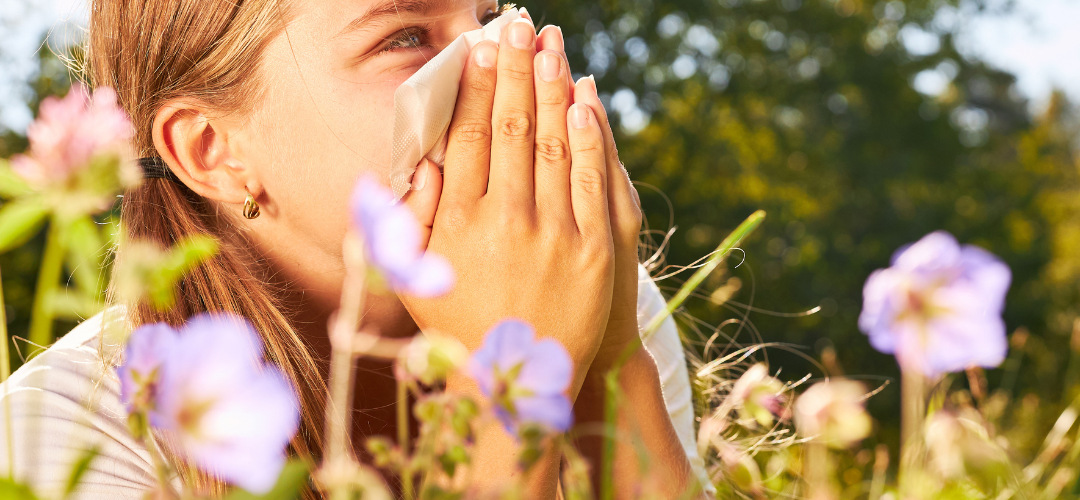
153	51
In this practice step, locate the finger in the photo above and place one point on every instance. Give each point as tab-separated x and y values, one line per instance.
552	148
525	14
622	196
469	137
423	197
588	172
550	38
513	117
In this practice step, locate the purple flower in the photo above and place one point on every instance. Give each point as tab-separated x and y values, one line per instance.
526	379
69	132
207	387
938	308
392	241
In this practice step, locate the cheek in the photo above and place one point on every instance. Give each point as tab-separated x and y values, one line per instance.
317	134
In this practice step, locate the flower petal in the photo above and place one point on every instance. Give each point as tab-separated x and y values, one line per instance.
430	276
548	368
552	411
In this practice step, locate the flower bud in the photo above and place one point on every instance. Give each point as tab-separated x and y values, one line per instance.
833	413
430	358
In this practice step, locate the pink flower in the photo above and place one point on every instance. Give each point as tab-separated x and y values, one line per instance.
70	132
759	396
832	412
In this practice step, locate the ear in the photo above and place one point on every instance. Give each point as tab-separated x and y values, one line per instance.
197	150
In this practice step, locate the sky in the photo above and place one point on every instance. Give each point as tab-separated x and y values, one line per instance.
1037	40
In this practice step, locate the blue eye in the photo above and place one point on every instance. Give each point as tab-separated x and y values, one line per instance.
408	38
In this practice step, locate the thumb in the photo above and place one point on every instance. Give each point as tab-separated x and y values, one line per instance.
423	197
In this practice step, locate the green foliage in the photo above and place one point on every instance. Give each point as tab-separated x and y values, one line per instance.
11	490
79	468
292	479
21	264
20	220
806	109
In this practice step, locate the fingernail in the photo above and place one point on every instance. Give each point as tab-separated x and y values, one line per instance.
592	81
550	66
521	34
485	55
579	115
419	179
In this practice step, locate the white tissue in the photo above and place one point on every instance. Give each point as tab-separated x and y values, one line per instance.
424	104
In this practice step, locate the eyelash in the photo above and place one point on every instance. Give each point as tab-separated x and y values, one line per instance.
410	38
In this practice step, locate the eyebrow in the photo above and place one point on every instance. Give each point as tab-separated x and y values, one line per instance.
390	9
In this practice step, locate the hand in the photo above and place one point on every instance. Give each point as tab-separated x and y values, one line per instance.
523	215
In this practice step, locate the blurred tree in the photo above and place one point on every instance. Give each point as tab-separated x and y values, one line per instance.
19	266
808	109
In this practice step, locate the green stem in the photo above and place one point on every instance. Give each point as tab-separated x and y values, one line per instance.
403	436
748	226
818	472
342	333
161	467
48	282
913	403
5	372
611	378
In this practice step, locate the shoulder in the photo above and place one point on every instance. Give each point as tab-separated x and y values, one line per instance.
64	401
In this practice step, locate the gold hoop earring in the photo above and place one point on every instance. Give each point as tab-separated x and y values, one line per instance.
251	208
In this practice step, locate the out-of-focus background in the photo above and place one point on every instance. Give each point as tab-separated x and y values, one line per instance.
858	125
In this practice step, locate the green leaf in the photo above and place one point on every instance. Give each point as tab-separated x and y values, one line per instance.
182	257
79	468
12	185
293	477
11	490
19	221
72	304
87	247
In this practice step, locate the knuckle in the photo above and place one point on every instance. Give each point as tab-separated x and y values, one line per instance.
452	216
516	73
513	220
551	100
587	180
515	124
473	131
589	147
552	149
480	84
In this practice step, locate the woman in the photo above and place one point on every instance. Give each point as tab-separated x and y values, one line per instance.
286	103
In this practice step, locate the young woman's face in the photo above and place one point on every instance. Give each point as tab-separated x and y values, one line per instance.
327	113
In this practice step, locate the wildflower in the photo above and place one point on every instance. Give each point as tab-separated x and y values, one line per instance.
429	358
79	144
392	240
759	396
143	357
206	387
938	307
525	378
833	412
960	447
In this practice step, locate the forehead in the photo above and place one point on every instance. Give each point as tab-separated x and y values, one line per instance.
341	17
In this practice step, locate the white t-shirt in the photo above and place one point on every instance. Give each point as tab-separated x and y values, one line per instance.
66	400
